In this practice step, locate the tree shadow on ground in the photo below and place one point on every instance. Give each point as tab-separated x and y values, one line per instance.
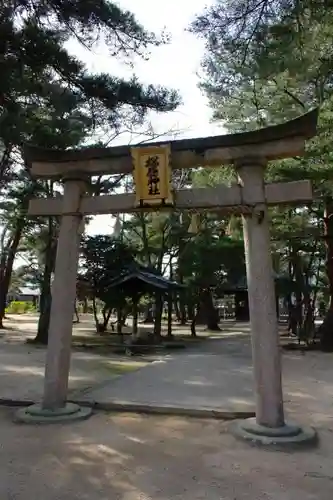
129	457
22	371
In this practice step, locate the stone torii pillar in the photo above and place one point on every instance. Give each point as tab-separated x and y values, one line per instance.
54	406
262	304
269	426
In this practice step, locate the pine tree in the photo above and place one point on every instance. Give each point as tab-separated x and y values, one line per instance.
32	38
50	99
267	62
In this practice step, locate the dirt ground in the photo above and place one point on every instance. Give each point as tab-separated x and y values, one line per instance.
26	325
135	457
22	326
129	457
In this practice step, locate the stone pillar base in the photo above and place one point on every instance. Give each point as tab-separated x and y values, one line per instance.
287	436
36	414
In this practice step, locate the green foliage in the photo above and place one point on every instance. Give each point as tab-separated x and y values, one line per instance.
258	50
35	60
50	99
265	63
20	307
104	258
268	63
211	259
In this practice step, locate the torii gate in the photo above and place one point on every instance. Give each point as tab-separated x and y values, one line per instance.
249	153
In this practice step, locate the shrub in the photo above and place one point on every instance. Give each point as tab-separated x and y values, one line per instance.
20	307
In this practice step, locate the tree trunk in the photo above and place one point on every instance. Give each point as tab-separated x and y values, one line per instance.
108	317
193	322
170	303
170	298
207	314
5	162
7	262
107	311
181	314
149	318
182	309
190	310
85	305
182	299
158	315
298	275
44	319
46	296
119	321
76	313
193	331
135	318
44	306
177	310
95	313
325	330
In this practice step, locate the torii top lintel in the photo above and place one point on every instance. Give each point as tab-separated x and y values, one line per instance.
271	143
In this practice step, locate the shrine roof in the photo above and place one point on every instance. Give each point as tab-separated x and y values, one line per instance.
139	277
230	287
304	126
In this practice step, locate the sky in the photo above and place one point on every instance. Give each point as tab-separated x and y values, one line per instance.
175	65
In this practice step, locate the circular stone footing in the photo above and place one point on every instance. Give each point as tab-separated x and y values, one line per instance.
287	436
36	414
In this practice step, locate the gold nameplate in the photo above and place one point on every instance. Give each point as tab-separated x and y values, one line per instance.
152	175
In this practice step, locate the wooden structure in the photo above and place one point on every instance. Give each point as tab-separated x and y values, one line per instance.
249	153
137	280
239	290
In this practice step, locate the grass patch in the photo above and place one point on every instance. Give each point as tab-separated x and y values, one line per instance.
114	339
96	340
117	368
